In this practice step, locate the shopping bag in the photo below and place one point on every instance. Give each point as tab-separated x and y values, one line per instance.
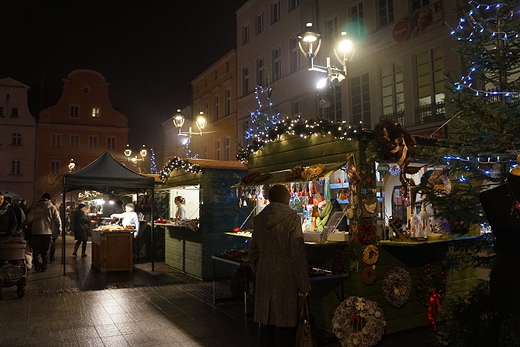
304	332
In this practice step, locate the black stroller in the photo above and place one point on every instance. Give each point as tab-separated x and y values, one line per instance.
13	269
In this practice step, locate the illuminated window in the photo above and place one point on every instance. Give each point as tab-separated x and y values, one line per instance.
430	86
392	92
360	100
96	112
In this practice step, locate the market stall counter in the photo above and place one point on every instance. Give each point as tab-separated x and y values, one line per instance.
112	249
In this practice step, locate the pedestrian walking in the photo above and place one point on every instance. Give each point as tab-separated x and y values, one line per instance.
80	228
42	218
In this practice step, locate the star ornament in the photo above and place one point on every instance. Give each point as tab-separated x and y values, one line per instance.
360	304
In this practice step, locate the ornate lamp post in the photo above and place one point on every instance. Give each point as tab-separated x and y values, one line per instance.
200	121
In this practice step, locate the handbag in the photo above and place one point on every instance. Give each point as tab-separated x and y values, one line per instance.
304	333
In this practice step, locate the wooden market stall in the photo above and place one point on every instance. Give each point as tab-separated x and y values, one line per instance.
106	174
376	266
213	208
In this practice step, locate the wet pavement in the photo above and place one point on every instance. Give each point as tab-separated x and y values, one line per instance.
163	307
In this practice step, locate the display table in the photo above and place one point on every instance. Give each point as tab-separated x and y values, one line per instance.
112	250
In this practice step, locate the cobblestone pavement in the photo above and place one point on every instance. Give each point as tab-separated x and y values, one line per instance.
163	307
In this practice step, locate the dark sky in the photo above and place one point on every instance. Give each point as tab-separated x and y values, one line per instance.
148	50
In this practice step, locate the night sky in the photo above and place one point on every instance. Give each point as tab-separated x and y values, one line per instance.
148	51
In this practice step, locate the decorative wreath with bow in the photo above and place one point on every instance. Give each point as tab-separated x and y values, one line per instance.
395	142
370	255
358	322
397	286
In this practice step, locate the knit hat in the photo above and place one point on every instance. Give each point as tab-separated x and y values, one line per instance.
80	206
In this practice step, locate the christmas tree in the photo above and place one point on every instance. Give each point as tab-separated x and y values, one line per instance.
484	106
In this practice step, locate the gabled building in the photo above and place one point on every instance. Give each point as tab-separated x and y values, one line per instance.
80	127
17	141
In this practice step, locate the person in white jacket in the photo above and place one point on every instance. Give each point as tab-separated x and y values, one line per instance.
42	218
129	218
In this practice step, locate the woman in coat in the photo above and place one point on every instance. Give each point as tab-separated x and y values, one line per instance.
80	227
277	256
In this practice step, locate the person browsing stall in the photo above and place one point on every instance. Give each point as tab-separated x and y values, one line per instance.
80	227
130	218
277	257
181	208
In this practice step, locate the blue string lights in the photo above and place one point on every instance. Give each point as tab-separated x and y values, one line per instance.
264	117
488	31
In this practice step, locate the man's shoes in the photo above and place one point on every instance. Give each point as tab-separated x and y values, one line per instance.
83	255
74	254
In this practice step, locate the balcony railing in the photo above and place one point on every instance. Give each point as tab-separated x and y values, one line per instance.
430	113
397	117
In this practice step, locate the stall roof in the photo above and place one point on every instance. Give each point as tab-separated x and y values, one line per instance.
278	177
106	173
218	164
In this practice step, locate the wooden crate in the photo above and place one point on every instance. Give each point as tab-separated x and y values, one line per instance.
112	251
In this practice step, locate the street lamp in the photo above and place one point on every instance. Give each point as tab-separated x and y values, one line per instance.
127	151
71	165
143	153
310	44
200	121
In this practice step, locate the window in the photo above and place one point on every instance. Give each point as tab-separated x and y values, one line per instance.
74	111
228	102
293	4
217	150
111	142
260	71
227	149
417	4
386	12
245	34
16	167
275	11
392	92
92	141
332	29
277	63
74	140
295	54
356	23
55	167
55	140
360	100
430	86
16	139
217	107
228	66
14	112
259	24
245	80
96	112
334	111
296	108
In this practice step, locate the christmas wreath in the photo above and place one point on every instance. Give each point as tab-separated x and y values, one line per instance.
370	255
313	171
397	286
366	232
369	275
395	142
358	322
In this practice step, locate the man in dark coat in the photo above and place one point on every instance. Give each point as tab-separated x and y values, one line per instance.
277	256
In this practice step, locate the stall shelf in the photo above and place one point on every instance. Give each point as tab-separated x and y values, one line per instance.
278	157
218	212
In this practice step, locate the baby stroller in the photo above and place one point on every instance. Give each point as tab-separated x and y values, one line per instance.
13	269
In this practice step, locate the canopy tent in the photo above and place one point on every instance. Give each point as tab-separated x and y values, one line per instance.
107	174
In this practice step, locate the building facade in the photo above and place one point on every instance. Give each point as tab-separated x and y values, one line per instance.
79	128
403	50
17	141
